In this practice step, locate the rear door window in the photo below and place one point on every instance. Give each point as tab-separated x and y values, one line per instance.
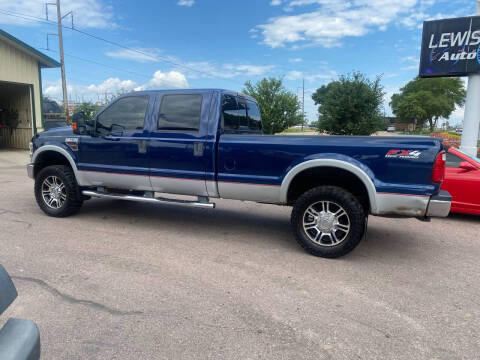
180	112
240	116
254	117
242	112
231	114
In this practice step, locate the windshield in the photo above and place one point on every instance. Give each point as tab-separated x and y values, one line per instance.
474	158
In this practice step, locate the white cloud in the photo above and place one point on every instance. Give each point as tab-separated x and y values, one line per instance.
388	75
249	70
295	60
112	86
223	71
91	92
275	2
387	97
165	80
412	61
410	67
457	116
137	54
55	89
188	3
87	13
205	68
294	75
332	20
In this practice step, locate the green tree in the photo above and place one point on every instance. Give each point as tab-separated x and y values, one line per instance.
351	105
89	109
280	108
427	100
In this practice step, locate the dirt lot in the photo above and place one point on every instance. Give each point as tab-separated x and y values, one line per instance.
133	281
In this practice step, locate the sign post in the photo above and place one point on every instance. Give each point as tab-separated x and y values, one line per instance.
451	47
471	121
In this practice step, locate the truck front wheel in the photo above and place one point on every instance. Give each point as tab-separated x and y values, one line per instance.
56	191
328	221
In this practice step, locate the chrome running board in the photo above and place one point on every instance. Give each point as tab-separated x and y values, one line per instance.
201	202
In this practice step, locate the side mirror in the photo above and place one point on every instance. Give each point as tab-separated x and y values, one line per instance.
82	126
79	125
465	165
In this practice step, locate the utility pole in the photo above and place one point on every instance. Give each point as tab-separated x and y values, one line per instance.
62	62
471	122
303	103
60	48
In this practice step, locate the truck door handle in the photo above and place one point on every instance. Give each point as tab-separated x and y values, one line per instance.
198	149
142	147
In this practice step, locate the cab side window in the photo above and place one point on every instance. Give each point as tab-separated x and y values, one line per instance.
126	114
240	116
453	161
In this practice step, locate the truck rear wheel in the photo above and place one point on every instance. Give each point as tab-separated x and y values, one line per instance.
328	221
56	191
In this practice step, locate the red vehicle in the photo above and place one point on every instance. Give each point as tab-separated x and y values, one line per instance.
462	181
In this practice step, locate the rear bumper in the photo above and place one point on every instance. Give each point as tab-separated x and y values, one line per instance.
30	170
439	205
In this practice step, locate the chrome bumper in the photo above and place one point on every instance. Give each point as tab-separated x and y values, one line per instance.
30	170
439	205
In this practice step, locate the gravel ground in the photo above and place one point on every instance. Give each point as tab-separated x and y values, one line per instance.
138	281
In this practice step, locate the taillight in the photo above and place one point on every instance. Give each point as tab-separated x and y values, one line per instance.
438	172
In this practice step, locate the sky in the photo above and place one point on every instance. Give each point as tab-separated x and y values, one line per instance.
158	44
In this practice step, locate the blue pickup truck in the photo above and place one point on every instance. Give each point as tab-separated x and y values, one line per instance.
209	144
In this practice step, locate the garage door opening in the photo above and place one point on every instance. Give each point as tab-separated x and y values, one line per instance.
16	118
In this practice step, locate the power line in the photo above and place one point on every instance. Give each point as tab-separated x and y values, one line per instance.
114	43
26	17
36	19
97	63
155	57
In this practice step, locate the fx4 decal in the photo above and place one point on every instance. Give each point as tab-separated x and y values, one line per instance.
403	154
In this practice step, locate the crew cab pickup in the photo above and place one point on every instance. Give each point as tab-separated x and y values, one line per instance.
209	144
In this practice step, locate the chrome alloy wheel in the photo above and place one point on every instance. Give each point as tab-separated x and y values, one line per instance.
53	192
326	223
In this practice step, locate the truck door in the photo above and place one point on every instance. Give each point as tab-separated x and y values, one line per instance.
178	148
116	156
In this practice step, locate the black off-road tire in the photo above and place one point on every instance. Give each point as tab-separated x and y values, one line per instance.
348	202
72	203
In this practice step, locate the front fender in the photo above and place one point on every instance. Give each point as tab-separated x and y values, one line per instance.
66	152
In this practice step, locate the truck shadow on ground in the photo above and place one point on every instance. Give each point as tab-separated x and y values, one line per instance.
463	217
267	225
225	222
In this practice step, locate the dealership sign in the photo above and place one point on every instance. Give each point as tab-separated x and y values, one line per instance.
450	47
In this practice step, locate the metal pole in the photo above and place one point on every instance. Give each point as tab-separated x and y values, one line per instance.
303	102
62	62
471	121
